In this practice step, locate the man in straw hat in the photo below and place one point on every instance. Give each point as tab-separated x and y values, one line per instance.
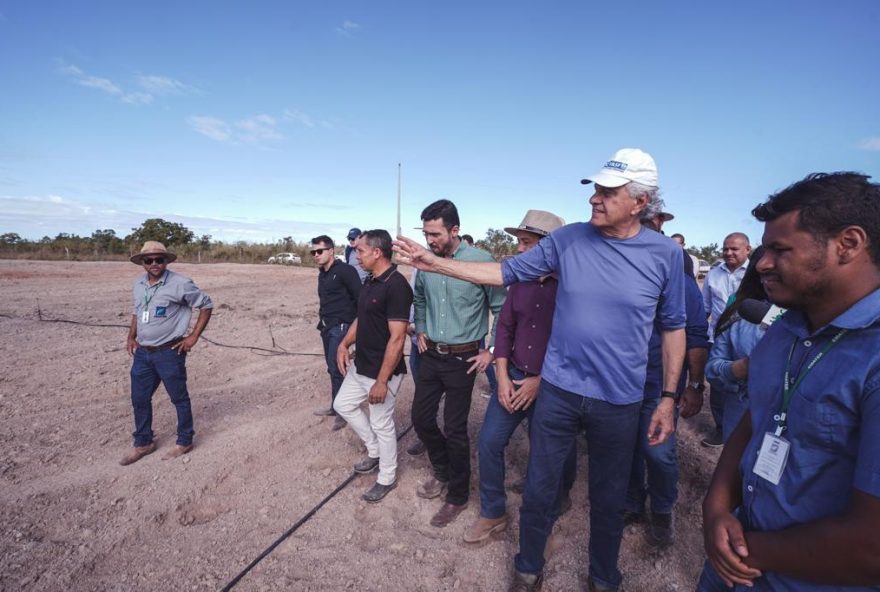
163	303
615	279
520	344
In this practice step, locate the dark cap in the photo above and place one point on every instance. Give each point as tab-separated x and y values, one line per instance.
354	233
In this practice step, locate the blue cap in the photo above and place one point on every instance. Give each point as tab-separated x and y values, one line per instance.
354	233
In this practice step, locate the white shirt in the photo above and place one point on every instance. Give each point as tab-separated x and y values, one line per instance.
720	284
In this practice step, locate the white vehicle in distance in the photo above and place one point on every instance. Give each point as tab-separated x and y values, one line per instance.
286	259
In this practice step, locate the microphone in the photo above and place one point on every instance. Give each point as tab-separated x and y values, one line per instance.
759	312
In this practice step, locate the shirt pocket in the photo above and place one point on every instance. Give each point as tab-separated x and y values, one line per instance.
828	432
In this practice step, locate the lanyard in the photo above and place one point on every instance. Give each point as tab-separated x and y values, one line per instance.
147	291
788	389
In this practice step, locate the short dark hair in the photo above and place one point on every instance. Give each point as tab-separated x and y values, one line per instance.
468	239
679	235
828	203
323	239
442	209
378	239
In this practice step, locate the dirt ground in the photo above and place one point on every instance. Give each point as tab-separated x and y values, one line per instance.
72	518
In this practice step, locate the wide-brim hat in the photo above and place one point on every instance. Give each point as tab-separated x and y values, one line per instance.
537	222
628	165
153	248
666	216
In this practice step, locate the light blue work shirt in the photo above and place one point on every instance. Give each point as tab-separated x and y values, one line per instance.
610	293
734	343
833	425
169	302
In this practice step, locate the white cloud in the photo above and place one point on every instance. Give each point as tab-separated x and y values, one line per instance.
298	116
162	85
256	130
153	85
870	143
213	128
348	28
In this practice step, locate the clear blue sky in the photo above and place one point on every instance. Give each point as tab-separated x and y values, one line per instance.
258	120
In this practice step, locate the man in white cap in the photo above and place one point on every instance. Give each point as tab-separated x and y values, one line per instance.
615	279
520	344
158	342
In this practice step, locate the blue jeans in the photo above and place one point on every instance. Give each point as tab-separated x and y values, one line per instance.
147	371
498	427
490	372
332	336
661	462
611	438
735	406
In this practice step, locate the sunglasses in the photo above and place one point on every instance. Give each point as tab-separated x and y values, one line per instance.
151	260
318	251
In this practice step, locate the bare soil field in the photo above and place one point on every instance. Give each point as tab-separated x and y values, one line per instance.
72	518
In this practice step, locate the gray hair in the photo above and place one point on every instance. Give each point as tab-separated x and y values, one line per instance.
655	203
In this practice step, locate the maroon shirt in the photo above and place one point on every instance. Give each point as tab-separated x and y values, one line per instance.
525	322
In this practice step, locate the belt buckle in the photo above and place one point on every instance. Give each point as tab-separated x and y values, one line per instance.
440	347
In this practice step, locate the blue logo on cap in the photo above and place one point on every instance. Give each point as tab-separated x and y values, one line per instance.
616	164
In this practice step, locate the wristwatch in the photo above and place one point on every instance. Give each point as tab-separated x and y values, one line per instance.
697	386
669	395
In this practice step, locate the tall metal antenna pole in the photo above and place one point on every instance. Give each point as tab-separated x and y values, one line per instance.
398	198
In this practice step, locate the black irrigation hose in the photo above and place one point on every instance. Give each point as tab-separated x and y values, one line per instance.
273	352
296	526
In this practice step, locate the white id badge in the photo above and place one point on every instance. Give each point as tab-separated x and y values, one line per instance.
772	458
145	316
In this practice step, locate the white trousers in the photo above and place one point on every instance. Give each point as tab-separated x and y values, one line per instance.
377	431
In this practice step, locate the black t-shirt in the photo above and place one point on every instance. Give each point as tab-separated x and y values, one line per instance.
385	298
338	290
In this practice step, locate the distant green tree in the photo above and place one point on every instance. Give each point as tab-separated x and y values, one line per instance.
205	241
157	229
10	239
106	241
710	253
498	243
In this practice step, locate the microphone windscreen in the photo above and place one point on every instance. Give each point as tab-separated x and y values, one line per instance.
754	310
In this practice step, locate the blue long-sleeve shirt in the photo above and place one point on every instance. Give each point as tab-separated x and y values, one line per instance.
736	342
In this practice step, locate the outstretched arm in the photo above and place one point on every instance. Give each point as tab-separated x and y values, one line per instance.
409	252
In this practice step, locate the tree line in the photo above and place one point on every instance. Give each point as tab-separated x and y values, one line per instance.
105	245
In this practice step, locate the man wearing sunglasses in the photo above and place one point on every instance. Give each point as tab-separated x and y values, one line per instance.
338	289
158	343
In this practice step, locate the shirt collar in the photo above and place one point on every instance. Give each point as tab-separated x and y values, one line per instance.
385	274
860	315
462	245
743	267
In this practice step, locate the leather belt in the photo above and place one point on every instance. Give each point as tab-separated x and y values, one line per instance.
166	345
444	349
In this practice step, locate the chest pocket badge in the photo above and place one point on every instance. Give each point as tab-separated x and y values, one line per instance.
161	311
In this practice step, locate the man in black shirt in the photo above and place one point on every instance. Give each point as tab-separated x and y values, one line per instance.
338	290
379	333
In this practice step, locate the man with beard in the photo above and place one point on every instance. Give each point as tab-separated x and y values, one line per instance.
615	279
157	340
795	500
451	317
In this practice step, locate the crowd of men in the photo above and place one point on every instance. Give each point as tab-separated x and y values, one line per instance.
603	333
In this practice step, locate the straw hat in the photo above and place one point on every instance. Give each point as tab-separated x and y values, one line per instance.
537	222
153	248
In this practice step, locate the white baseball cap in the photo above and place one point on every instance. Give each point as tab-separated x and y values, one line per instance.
626	166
